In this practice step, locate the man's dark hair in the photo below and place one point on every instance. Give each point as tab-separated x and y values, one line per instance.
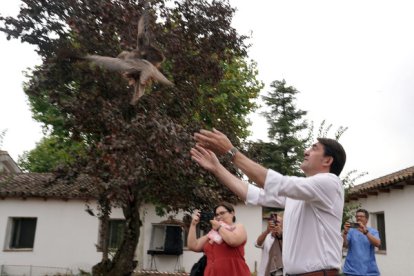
336	151
363	211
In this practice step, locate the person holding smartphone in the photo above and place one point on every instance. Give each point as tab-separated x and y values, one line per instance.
361	242
270	241
225	256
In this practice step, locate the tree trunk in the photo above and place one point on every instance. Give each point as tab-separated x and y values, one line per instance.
104	233
123	263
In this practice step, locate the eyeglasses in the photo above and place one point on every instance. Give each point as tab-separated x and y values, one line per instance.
360	216
220	213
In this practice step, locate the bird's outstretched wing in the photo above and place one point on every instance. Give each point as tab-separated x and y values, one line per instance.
132	67
110	63
143	39
145	48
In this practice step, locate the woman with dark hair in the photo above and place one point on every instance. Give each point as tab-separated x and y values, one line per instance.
223	245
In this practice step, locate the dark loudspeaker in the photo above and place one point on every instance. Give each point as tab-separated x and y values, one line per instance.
166	239
173	241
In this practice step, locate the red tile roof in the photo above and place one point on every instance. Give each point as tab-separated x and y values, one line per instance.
384	183
41	185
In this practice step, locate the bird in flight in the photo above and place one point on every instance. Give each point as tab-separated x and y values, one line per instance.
140	66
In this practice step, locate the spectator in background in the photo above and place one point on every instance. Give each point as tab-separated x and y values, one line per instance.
270	241
225	255
361	242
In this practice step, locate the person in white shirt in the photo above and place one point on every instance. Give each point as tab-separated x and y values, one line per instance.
313	205
270	241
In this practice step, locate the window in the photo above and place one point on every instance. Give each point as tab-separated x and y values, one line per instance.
21	233
380	219
115	233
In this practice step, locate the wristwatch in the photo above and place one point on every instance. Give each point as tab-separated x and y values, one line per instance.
231	153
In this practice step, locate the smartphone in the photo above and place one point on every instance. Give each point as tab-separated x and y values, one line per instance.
354	224
273	217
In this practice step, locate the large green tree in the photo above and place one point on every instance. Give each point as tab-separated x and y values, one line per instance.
137	154
284	151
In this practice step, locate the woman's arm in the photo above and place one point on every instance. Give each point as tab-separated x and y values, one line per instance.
234	237
193	243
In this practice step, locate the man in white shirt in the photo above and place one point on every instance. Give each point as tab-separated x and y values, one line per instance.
313	204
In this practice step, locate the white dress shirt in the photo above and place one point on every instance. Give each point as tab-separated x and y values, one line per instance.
312	219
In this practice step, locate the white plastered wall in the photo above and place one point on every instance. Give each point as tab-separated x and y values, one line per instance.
65	234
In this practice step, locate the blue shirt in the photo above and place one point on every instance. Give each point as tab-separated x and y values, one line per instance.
360	259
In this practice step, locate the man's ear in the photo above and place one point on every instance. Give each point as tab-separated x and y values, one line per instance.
328	160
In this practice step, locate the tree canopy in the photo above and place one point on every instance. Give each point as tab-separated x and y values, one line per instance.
50	153
284	151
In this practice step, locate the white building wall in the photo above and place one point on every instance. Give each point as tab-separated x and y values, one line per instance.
249	216
398	208
65	234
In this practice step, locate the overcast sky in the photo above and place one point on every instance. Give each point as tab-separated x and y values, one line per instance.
352	61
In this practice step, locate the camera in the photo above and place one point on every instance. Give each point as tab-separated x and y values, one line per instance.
354	225
206	216
273	217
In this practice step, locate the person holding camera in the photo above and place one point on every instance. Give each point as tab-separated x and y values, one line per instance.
361	242
225	255
312	242
270	241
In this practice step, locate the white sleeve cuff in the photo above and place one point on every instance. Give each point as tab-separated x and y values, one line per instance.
258	246
253	195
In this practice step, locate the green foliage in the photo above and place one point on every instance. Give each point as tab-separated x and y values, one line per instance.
50	153
324	130
285	150
349	182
